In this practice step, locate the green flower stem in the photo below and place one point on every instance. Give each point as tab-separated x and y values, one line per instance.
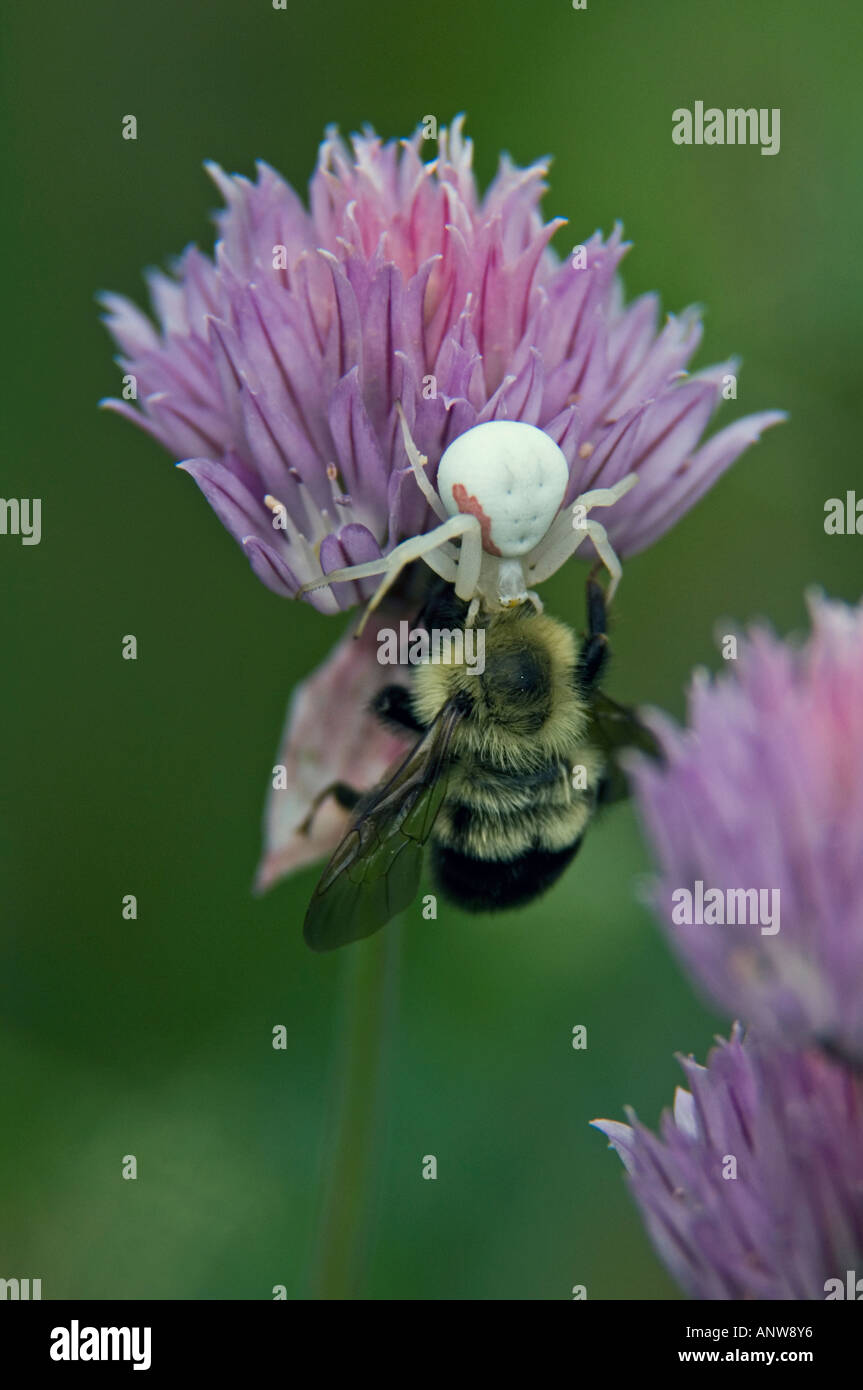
371	968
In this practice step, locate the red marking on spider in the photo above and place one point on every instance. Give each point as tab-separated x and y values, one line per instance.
471	506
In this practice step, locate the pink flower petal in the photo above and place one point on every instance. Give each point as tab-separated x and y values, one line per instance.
330	736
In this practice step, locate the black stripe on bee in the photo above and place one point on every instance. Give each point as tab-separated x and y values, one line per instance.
492	885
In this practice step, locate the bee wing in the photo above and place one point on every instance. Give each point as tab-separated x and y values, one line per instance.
616	728
374	873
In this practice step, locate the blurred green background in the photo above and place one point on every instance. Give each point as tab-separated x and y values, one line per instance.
154	1037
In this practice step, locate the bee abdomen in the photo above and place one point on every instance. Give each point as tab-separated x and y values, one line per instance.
491	885
498	793
505	827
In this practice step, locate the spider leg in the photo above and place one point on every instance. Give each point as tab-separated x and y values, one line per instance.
418	463
444	561
607	496
469	559
603	548
560	542
473	610
364	571
429	547
565	535
560	545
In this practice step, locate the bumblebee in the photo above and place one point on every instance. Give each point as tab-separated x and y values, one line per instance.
506	774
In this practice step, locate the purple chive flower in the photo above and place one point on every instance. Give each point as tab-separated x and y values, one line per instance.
765	792
754	1186
276	367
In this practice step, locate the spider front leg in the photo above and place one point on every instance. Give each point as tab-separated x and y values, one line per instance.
432	547
418	463
602	546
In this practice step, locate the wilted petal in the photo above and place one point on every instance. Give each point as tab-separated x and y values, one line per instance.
330	736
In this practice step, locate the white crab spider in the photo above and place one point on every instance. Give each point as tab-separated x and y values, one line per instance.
500	489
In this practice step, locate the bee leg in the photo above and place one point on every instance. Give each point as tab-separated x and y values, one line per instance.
442	608
393	706
597	620
345	795
593	655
